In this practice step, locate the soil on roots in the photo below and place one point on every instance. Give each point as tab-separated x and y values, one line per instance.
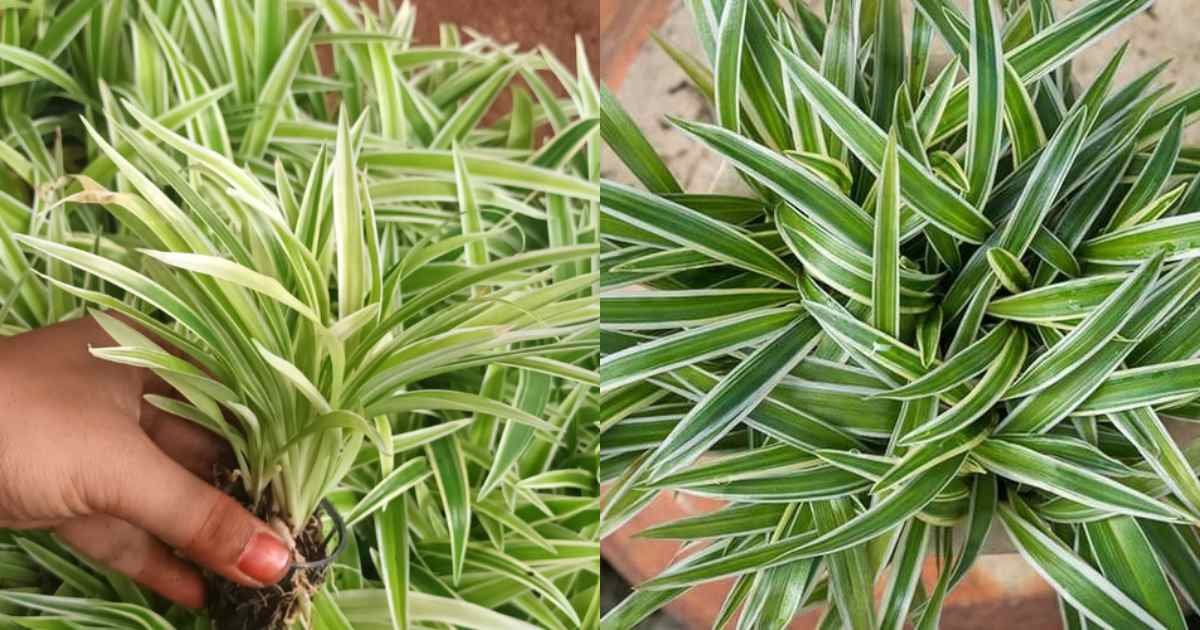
236	607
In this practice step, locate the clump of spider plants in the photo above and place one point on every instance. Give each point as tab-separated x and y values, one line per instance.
381	297
934	303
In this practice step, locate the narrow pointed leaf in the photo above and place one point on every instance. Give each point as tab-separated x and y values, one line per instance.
1068	480
689	228
985	119
885	285
735	397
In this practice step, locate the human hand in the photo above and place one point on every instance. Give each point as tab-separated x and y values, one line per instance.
117	479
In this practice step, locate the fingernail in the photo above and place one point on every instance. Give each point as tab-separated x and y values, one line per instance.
264	559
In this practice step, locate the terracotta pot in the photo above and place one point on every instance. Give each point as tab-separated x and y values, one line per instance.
624	27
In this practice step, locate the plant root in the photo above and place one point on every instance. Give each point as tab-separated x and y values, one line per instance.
276	607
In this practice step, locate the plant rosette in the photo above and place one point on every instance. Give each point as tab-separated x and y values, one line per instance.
728	183
964	305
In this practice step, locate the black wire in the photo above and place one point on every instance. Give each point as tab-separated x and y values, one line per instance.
339	528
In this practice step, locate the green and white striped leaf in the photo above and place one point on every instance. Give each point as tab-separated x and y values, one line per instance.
990	389
689	228
691	346
733	398
1068	480
987	91
1073	578
1125	557
885	282
956	370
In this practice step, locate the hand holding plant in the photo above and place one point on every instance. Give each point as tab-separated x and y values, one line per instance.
116	478
380	298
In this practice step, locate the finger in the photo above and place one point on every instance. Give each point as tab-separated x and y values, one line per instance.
34	524
152	491
194	447
131	551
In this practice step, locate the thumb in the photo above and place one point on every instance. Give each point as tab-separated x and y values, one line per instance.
208	526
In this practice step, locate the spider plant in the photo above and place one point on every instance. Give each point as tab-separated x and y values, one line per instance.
378	294
933	305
